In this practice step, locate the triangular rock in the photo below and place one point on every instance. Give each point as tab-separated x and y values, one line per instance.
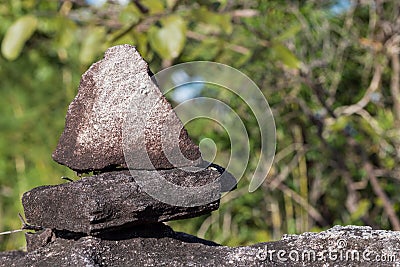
119	109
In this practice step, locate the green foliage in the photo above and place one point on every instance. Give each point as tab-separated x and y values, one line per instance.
330	80
169	39
90	47
16	36
280	52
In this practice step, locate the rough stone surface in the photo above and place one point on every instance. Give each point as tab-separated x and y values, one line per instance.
112	200
159	246
114	93
39	239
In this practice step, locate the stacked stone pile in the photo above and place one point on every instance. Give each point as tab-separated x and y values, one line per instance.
114	93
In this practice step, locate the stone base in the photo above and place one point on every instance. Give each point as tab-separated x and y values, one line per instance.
113	200
158	245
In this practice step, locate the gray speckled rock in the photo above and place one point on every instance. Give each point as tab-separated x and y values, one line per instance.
117	95
111	200
339	246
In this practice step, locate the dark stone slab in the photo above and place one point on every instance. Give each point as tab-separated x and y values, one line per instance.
8	258
339	246
116	96
39	239
113	200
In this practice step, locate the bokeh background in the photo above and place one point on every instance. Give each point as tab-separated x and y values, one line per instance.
329	69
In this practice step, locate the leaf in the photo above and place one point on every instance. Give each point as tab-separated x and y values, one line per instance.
207	50
339	124
141	42
66	32
171	3
169	40
154	6
289	33
362	209
17	35
129	15
283	54
215	21
92	44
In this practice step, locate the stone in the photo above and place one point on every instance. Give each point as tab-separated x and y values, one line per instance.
8	258
39	239
112	200
160	246
119	111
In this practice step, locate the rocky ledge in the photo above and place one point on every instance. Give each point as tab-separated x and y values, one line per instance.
159	245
